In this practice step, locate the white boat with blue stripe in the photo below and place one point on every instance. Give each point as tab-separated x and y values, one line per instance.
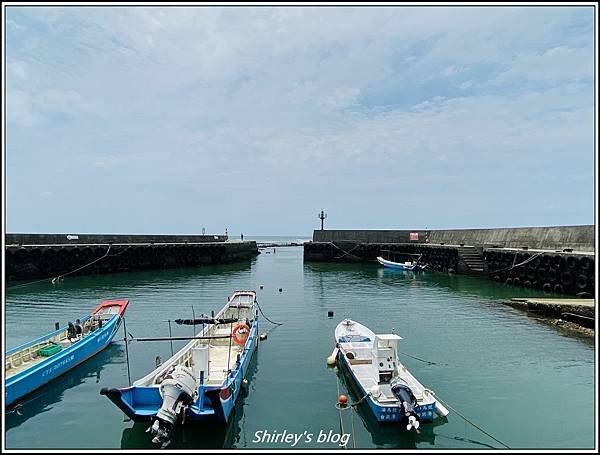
408	265
393	394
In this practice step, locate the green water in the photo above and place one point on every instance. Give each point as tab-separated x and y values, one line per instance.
519	378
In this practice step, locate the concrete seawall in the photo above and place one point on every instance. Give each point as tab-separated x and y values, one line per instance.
529	257
32	256
579	238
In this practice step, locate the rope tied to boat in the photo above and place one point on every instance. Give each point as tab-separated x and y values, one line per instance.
264	316
466	419
429	362
351	405
340	414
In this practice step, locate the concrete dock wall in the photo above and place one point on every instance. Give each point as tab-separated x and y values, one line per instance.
105	239
36	261
532	258
579	238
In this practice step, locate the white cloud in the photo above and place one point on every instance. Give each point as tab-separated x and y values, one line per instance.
181	95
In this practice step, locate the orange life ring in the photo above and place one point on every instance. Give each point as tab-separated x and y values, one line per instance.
240	334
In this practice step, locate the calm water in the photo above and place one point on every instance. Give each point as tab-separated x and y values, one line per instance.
517	377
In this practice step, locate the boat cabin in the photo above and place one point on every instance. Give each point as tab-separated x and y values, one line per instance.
385	353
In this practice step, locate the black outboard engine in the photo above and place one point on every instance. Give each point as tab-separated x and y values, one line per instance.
178	390
407	401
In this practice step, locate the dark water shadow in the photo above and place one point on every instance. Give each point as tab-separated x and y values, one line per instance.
172	275
197	436
44	398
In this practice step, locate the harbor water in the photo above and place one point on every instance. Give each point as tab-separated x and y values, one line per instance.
517	376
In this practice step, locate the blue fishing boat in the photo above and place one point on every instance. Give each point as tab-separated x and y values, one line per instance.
33	364
393	394
202	381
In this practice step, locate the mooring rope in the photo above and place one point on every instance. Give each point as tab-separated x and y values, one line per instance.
346	253
263	314
58	277
352	425
526	261
340	414
422	360
467	420
86	265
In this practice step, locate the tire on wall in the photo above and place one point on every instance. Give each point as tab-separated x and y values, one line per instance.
546	260
567	279
558	289
581	281
585	263
541	273
558	261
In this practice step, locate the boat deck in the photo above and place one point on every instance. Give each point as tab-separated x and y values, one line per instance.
29	357
219	358
367	375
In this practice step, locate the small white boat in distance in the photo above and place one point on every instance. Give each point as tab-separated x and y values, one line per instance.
397	265
392	392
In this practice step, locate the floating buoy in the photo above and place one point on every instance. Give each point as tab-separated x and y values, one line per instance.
330	313
331	359
261	286
343	400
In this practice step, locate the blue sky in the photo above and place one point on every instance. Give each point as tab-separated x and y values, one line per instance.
168	120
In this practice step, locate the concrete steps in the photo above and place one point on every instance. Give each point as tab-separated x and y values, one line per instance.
472	258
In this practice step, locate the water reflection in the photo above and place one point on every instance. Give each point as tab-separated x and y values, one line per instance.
199	436
43	399
172	276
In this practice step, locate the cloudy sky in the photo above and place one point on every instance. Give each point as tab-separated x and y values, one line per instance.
168	120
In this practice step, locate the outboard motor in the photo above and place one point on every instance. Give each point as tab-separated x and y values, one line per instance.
407	401
178	390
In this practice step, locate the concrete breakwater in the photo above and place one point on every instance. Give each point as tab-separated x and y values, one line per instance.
552	259
36	256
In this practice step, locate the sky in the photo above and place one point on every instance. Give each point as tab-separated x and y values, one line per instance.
168	120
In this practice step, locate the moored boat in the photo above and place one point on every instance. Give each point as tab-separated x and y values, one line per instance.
393	394
202	381
33	364
397	265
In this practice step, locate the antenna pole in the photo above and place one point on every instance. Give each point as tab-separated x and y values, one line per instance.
127	352
322	217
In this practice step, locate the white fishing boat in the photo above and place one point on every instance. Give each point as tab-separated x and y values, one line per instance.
408	265
202	381
393	394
